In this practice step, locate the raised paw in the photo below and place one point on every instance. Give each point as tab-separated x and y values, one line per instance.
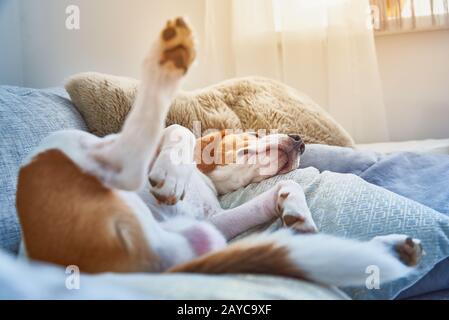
178	46
293	208
168	181
408	250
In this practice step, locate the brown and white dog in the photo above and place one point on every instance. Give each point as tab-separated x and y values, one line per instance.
78	203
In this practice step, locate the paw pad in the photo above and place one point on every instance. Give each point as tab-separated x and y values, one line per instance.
167	200
284	195
156	184
289	219
178	50
410	251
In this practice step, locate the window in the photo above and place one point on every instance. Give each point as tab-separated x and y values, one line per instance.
393	16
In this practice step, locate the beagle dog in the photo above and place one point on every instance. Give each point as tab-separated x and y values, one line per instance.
78	196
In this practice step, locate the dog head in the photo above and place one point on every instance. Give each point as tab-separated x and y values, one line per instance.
234	160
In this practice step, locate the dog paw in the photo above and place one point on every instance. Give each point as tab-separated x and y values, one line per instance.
177	46
408	250
172	169
293	208
168	181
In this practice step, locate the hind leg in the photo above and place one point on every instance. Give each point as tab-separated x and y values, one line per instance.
286	200
316	257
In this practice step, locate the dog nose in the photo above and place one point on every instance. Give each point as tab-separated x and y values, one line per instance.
302	148
295	137
299	142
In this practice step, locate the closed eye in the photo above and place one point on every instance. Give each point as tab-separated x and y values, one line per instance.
254	134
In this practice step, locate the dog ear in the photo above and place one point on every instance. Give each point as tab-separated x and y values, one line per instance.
205	151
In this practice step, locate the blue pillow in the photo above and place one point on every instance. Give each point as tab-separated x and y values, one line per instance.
347	206
420	177
26	117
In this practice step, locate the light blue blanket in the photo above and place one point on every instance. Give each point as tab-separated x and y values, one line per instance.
423	178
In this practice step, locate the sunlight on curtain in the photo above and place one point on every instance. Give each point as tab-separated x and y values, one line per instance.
218	58
255	40
323	48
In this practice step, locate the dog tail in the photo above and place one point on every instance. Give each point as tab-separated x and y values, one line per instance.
319	258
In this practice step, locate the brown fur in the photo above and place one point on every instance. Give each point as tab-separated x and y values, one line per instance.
244	258
290	220
167	200
179	46
408	253
284	195
205	159
169	33
69	218
219	149
156	184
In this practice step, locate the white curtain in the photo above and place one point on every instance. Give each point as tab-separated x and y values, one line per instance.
324	48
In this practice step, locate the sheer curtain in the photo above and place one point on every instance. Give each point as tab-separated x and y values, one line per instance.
324	48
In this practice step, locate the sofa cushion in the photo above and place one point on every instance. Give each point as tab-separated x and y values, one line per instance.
250	103
26	117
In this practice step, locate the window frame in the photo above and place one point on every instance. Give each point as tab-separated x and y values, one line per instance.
384	25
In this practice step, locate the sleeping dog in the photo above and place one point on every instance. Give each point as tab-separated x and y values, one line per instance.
78	204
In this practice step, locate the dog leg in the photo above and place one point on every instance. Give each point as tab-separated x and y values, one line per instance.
173	166
318	257
123	162
260	210
286	200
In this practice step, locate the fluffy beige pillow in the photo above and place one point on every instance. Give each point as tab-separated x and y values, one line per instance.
246	103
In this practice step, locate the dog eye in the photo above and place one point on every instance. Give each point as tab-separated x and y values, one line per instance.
254	134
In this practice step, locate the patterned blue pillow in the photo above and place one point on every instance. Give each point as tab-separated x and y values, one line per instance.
26	117
347	206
